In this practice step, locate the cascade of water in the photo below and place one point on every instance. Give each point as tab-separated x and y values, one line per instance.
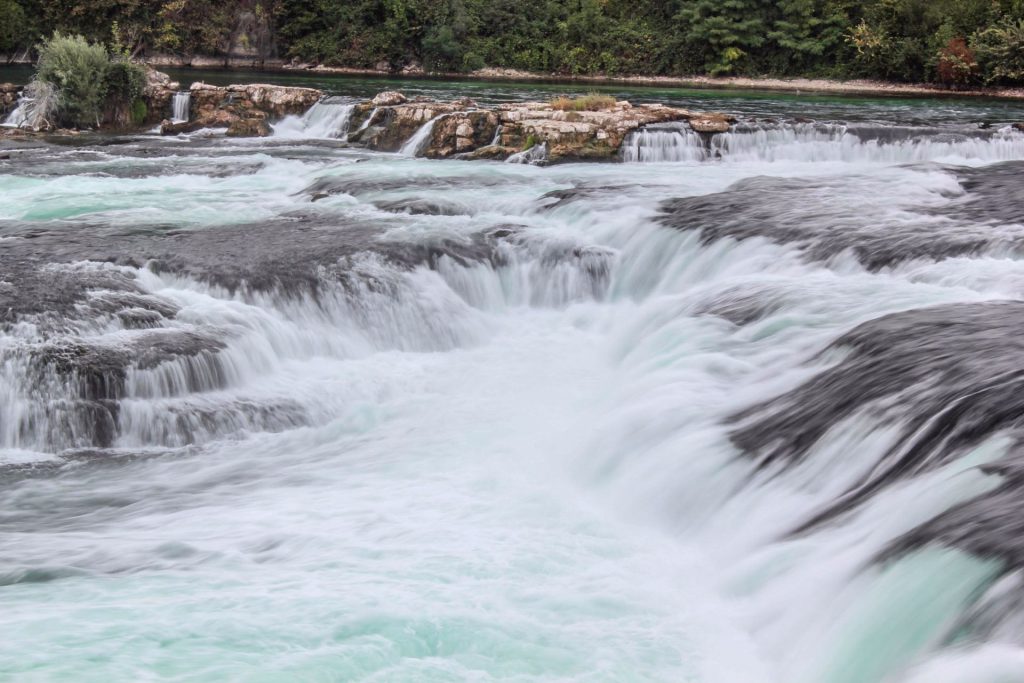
415	145
809	142
18	116
655	144
180	106
366	122
328	118
729	424
535	155
497	136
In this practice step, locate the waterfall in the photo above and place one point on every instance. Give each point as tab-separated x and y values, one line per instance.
654	144
35	107
497	136
19	115
415	145
300	410
329	118
535	155
811	142
366	122
180	106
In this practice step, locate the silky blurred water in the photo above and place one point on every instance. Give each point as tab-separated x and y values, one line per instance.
515	467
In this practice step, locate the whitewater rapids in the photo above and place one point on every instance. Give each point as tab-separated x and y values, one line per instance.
287	410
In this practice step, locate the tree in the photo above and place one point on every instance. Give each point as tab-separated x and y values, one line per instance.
725	31
13	27
804	31
1000	51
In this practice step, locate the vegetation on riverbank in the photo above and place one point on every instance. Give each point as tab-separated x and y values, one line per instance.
78	84
955	42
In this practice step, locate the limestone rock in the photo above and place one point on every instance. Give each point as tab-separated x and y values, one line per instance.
249	128
710	123
389	98
461	130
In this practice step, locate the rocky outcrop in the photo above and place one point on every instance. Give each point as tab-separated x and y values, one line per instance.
390	127
461	129
245	110
9	94
157	94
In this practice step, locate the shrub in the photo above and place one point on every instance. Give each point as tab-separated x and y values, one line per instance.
591	102
123	81
1000	51
956	63
139	112
471	61
77	69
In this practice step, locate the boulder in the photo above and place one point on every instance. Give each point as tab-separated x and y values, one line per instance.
9	94
249	128
1019	126
273	100
710	123
388	98
461	132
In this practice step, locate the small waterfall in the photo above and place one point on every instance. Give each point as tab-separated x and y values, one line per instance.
497	136
813	142
35	107
654	144
366	123
535	155
414	146
180	106
329	118
19	115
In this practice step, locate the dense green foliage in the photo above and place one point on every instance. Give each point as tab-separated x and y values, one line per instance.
90	86
958	42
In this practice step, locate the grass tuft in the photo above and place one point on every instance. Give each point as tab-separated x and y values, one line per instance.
591	102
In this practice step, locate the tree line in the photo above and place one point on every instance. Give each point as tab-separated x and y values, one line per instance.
955	42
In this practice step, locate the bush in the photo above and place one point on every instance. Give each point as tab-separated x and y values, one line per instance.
77	69
956	63
471	61
591	102
1000	51
123	81
139	112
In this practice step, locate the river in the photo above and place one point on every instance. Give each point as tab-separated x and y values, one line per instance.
287	410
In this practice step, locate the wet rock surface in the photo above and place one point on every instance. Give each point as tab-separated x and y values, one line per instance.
824	229
243	109
9	94
461	129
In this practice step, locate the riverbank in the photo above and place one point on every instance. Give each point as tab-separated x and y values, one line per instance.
793	85
814	86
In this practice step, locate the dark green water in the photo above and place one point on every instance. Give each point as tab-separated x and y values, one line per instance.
906	111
